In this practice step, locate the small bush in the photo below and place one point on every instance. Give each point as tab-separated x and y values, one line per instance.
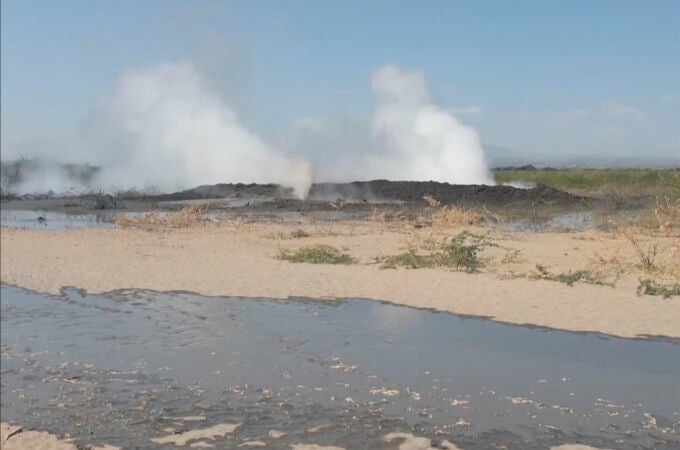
409	259
448	216
459	253
299	233
651	287
189	215
666	214
569	278
317	254
646	253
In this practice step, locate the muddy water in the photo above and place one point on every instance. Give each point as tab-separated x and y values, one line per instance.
132	366
52	221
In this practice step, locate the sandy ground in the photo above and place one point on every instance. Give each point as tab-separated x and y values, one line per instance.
15	437
237	259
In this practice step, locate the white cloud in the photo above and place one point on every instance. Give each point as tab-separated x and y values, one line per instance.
616	109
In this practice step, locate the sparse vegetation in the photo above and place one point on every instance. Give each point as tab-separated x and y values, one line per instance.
652	182
448	216
666	215
317	254
651	287
409	259
645	251
299	233
512	256
338	206
185	217
569	278
460	252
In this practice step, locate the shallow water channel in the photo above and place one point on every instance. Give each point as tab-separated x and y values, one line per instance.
132	366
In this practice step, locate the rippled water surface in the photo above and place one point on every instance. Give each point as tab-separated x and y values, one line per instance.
131	366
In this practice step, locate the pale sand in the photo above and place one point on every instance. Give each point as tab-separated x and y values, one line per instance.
210	433
14	437
240	260
411	442
315	447
576	447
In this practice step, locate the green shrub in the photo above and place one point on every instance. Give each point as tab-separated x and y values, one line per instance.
317	254
651	287
569	278
460	252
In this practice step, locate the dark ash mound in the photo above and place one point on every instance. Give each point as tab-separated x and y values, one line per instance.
378	191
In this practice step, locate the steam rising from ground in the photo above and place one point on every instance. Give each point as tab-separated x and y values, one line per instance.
169	130
407	137
418	140
164	128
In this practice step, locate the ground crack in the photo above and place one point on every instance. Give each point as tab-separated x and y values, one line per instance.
14	433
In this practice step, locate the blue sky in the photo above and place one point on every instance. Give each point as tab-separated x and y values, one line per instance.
554	79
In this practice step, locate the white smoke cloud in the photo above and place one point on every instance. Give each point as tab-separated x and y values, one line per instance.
406	138
418	140
164	127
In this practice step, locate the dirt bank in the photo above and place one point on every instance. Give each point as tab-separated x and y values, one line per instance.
235	259
244	198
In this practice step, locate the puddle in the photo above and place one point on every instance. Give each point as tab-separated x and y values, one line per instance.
576	221
134	366
53	221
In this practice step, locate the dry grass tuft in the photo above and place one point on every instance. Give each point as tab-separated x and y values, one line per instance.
449	216
667	214
645	249
184	218
150	219
189	215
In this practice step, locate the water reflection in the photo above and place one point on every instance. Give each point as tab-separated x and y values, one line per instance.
350	371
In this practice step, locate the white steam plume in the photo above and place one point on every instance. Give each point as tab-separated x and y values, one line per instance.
418	140
406	138
164	128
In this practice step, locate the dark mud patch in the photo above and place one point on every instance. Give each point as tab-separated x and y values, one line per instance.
132	366
381	191
404	200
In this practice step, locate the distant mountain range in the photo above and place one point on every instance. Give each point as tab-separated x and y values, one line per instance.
499	156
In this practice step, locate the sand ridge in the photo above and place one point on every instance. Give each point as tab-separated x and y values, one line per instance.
241	260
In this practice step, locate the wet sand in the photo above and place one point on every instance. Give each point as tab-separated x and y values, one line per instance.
15	437
235	259
40	440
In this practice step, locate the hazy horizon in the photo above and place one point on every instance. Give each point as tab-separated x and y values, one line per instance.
178	94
